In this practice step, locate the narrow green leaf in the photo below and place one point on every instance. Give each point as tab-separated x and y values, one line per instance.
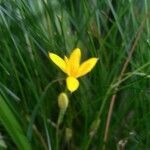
13	127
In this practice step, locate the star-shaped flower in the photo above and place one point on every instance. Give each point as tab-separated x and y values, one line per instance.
72	67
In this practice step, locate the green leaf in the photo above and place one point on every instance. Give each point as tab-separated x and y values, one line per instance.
13	127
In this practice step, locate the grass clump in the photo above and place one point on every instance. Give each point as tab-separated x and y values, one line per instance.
110	109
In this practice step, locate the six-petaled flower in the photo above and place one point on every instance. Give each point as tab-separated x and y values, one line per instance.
72	67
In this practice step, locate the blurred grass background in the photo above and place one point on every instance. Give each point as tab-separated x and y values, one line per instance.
116	31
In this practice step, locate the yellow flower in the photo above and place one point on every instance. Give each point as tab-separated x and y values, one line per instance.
72	67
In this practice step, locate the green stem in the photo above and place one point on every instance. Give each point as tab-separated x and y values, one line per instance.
57	137
59	121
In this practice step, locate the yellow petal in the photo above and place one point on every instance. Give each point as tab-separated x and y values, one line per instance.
67	65
58	61
87	66
72	84
74	61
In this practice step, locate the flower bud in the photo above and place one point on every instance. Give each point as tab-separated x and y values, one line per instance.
68	134
94	127
63	101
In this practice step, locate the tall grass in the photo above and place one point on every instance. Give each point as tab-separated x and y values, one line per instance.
111	108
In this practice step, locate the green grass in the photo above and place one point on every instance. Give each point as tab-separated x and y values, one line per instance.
118	32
